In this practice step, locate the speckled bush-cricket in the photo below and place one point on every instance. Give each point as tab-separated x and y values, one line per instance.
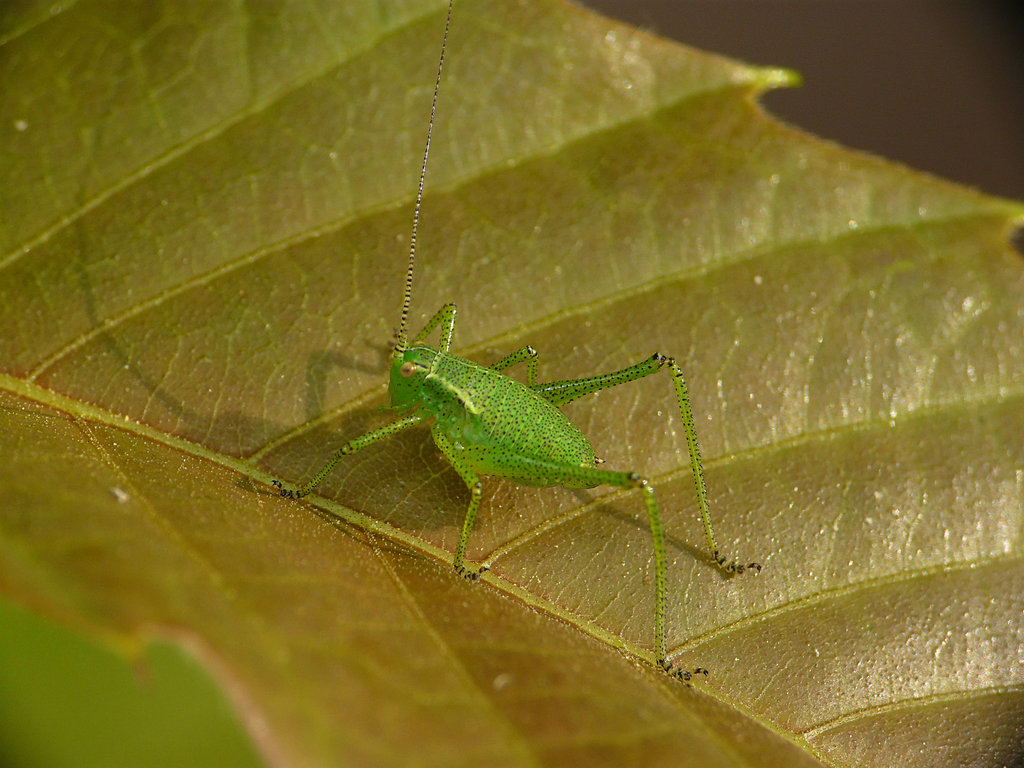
486	423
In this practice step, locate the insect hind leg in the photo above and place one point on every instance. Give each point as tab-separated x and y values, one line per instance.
504	463
683	399
562	392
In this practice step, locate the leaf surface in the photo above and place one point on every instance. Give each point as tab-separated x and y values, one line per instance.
205	218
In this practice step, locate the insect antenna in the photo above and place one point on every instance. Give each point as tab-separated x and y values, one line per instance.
401	335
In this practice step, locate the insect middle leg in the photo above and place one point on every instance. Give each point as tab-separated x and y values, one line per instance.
526	355
562	392
456	457
356	444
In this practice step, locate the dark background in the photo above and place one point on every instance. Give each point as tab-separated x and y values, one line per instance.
935	84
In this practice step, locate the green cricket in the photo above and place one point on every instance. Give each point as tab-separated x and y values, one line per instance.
486	423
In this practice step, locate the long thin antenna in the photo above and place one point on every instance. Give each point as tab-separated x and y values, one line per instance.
402	333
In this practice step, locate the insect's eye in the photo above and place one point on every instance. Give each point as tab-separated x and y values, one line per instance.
407	369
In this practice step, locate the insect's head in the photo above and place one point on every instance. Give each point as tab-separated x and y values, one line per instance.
408	370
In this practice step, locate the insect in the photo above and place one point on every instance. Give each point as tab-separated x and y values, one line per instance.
486	423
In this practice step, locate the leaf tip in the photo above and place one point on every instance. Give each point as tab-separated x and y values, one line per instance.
770	78
767	78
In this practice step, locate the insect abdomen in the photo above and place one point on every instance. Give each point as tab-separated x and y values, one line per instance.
478	406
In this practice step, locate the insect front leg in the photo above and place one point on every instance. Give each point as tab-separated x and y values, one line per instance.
472	481
562	392
347	449
445	316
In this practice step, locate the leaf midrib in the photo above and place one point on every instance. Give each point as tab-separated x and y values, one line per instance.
247	468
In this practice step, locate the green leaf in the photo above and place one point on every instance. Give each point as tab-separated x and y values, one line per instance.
205	215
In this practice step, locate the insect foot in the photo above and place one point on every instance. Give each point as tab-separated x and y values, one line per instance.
732	566
470	574
288	493
681	674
